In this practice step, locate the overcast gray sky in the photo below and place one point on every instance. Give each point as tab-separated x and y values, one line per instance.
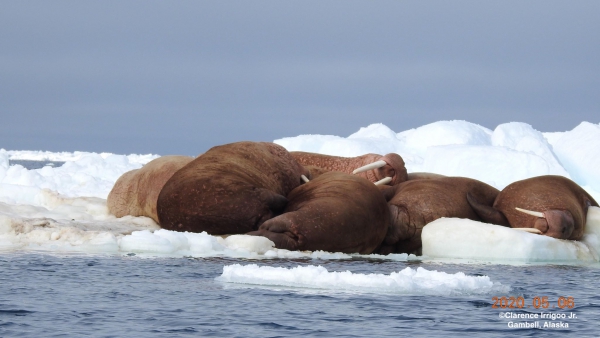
177	77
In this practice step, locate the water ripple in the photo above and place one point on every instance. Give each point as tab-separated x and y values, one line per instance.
131	297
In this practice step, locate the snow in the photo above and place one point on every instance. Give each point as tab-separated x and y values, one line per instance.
63	208
83	174
579	152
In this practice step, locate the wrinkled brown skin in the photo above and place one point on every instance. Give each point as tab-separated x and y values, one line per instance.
562	201
335	212
135	192
423	176
314	171
395	165
230	189
415	203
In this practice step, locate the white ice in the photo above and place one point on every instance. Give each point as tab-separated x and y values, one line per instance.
453	238
408	281
63	209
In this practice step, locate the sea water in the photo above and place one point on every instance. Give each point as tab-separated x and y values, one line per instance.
55	295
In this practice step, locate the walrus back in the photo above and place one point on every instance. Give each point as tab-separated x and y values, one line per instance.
229	189
136	192
335	212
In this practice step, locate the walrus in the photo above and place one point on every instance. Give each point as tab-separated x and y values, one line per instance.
230	189
423	176
335	212
554	205
415	203
314	171
388	169
135	193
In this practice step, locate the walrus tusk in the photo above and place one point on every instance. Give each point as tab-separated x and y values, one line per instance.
370	166
531	230
304	178
383	181
532	213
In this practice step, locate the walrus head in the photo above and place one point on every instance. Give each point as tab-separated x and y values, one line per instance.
388	169
554	223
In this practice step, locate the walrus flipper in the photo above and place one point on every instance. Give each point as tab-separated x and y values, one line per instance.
278	231
487	213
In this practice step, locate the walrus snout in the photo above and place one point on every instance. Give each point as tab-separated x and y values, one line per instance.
388	169
556	223
553	223
395	169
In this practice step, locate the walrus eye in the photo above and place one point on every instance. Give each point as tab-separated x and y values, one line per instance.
374	165
532	213
304	178
383	181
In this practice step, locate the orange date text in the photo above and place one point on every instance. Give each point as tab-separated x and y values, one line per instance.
538	302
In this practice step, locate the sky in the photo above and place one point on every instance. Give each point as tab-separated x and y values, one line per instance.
179	77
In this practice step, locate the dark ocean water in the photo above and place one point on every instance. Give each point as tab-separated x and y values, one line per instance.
127	296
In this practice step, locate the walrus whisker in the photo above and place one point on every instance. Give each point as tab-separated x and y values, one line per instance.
532	213
530	230
304	178
370	166
383	181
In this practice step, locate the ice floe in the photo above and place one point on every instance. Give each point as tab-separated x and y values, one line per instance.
408	281
63	208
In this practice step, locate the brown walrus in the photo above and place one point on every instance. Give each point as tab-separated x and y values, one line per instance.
424	176
230	189
554	205
415	203
135	192
390	165
335	212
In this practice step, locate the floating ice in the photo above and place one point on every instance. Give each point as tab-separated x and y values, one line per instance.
195	244
407	281
453	238
51	231
84	225
64	208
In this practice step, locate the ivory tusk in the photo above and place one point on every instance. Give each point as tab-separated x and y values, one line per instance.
304	178
383	181
531	230
532	213
370	166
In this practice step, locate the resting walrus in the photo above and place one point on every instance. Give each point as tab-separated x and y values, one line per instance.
230	189
554	205
415	203
335	212
135	192
388	169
